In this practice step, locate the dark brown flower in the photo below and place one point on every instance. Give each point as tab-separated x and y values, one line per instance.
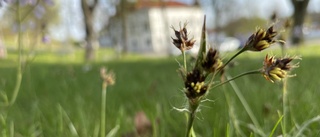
212	61
181	41
194	84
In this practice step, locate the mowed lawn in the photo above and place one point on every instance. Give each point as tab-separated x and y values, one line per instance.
59	98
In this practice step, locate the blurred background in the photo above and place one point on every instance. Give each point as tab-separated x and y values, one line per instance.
143	26
59	47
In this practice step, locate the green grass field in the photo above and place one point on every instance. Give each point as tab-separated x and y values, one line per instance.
58	98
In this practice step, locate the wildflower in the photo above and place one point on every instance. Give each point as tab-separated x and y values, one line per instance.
212	62
182	42
277	69
107	77
262	39
195	85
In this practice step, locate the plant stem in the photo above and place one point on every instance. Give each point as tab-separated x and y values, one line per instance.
184	60
19	68
193	106
235	55
238	76
103	110
60	123
284	100
190	123
285	106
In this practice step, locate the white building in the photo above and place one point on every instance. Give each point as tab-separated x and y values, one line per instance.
148	26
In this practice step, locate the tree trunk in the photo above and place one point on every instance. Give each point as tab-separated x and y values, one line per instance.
300	9
88	19
123	6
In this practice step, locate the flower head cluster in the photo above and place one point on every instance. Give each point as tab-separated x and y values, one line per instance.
107	77
195	80
182	41
208	62
194	84
277	69
212	61
262	39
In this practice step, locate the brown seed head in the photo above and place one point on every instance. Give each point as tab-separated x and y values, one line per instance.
271	33
262	39
107	77
277	69
181	41
212	61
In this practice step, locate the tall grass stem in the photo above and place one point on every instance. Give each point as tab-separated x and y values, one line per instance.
285	106
192	114
184	60
103	110
238	76
19	68
235	55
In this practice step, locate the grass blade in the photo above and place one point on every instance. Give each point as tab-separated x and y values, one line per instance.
228	130
113	131
275	126
306	124
246	107
203	45
71	126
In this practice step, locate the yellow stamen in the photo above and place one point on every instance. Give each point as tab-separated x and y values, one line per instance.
274	76
262	45
261	34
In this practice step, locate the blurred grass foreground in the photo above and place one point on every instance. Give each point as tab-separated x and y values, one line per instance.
58	98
